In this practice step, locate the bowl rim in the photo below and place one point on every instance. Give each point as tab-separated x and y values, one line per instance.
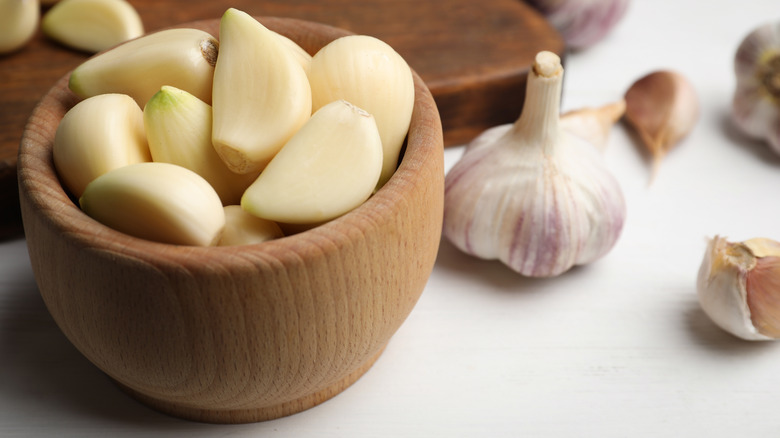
40	186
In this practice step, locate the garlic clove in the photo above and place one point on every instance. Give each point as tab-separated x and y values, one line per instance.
97	135
533	195
663	108
756	103
92	25
328	168
582	23
178	129
183	58
18	23
242	228
738	287
131	199
302	56
370	74
261	95
594	124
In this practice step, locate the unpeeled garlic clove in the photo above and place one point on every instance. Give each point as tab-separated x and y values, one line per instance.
97	135
370	74
663	108
738	287
534	196
594	124
183	58
330	166
756	102
261	95
161	202
92	25
18	23
242	228
178	129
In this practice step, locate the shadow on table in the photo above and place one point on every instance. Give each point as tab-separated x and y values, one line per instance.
41	372
707	334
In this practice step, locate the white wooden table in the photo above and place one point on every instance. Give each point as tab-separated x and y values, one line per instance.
616	349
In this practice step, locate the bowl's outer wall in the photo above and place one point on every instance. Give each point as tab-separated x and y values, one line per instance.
236	334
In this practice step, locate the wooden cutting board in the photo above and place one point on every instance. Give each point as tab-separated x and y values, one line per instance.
474	57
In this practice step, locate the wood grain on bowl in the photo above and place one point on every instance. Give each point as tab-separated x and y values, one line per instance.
473	56
245	333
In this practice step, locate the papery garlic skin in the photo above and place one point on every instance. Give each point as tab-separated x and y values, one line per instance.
733	278
18	23
582	23
756	101
534	196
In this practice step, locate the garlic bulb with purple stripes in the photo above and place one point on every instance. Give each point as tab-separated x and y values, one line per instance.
756	104
582	23
536	197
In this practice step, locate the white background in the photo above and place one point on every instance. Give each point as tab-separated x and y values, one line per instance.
619	348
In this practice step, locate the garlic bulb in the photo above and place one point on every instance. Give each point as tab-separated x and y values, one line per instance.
582	23
756	103
537	197
738	286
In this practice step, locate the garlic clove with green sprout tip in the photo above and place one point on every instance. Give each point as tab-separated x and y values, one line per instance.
738	287
536	197
756	102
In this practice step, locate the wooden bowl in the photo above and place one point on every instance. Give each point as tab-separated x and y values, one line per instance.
236	334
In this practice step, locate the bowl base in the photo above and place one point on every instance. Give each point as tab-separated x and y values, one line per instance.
252	415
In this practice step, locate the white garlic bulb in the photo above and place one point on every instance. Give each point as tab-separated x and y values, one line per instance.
582	23
756	103
738	287
536	197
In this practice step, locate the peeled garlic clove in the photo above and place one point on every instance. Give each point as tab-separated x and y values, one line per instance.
18	23
182	58
533	195
302	56
756	102
368	73
97	135
594	124
582	23
663	107
242	228
738	286
261	95
328	168
92	25
161	202
178	129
